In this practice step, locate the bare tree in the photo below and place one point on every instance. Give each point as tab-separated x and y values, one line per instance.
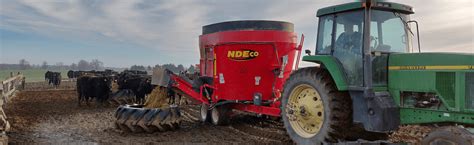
137	67
44	65
83	65
73	66
59	65
24	64
96	64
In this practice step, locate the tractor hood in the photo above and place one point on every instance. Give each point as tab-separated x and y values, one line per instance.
431	61
445	77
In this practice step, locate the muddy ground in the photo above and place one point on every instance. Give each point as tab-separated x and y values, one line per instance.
53	116
42	86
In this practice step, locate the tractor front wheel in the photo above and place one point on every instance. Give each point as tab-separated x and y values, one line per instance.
313	110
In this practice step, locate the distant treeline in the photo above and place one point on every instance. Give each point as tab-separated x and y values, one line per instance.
94	64
81	65
171	67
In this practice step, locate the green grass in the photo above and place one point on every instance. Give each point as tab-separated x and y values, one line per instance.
32	75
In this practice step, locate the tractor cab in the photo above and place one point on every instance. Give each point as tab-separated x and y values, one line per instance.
362	30
354	43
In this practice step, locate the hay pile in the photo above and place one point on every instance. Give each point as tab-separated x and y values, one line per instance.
412	134
157	98
115	86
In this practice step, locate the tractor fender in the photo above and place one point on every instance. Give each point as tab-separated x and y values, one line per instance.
332	66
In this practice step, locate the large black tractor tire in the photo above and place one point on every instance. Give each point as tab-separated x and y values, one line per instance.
331	111
135	118
451	135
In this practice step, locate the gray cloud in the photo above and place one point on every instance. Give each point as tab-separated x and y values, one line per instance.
445	26
172	27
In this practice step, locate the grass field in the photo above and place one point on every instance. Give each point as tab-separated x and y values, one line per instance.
32	75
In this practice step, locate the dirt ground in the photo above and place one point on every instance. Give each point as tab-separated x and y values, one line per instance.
42	86
53	116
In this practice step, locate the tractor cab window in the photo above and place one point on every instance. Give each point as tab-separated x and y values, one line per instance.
348	45
324	44
341	36
388	32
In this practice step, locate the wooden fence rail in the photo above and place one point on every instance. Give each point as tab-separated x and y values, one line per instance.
10	85
7	90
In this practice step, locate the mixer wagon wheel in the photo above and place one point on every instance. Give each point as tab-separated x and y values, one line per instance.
312	109
205	113
136	118
451	135
220	115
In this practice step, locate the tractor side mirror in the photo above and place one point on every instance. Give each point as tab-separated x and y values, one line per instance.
307	51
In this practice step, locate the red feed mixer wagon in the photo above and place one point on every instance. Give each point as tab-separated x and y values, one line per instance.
243	66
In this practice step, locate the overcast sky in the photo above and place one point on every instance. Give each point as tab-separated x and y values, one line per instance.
125	32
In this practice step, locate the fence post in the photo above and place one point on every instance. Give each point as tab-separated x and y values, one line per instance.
8	88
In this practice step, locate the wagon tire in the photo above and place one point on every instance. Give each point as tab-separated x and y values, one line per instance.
220	115
204	113
137	119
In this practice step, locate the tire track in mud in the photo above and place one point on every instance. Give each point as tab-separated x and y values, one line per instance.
259	128
53	117
221	134
44	86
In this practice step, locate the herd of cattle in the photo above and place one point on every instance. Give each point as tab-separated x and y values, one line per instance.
98	84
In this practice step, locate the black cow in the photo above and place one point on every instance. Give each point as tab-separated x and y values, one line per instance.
89	86
76	74
70	74
56	79
140	85
136	72
144	89
47	75
53	78
106	72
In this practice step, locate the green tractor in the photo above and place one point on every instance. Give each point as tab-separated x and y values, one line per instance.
371	82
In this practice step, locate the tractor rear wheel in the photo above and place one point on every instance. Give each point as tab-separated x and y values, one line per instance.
449	136
312	109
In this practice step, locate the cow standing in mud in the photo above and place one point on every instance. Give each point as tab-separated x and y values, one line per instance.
145	87
53	78
47	75
70	75
56	79
88	87
139	85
